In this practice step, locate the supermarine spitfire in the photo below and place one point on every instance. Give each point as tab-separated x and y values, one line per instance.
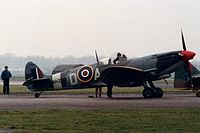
131	73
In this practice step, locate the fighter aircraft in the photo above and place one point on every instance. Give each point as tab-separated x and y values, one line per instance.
130	73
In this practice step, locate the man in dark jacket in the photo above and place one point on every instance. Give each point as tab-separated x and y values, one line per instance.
5	76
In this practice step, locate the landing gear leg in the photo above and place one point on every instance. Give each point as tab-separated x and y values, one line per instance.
150	92
37	95
158	92
109	91
147	92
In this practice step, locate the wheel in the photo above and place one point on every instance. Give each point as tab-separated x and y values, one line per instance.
147	93
198	94
158	92
37	95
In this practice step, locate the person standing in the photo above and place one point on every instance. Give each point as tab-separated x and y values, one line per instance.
98	92
5	76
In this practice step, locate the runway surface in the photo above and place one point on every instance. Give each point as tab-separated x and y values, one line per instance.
119	101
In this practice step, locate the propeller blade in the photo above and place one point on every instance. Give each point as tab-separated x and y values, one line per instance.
187	69
183	41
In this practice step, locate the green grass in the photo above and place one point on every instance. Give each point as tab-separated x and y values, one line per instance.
107	121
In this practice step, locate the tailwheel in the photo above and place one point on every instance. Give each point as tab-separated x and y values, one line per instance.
158	92
198	94
37	95
148	93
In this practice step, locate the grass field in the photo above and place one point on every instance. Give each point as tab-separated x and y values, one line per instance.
14	89
107	121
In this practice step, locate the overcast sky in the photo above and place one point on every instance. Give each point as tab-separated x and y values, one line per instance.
58	28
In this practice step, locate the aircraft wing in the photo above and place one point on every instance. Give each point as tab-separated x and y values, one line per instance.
121	74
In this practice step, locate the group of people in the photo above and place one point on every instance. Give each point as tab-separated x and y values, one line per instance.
120	58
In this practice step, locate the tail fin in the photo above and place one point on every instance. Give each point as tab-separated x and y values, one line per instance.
180	80
32	71
35	79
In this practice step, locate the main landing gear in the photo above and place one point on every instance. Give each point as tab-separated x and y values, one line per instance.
196	90
151	92
37	95
148	92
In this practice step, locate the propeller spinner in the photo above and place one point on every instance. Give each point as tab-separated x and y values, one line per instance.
187	55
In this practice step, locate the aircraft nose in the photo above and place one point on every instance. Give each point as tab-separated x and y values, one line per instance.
187	55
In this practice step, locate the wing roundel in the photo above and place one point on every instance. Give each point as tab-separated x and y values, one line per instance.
85	74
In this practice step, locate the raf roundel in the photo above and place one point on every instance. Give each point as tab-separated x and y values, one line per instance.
85	74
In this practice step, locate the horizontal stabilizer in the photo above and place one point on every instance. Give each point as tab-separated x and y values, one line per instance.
38	84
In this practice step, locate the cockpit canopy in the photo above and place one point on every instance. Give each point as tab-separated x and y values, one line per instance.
105	61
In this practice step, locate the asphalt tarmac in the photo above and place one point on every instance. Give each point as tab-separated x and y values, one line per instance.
119	101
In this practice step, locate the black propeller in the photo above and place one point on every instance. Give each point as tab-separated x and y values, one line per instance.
187	70
183	41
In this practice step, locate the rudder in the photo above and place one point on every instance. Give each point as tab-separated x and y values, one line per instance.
32	71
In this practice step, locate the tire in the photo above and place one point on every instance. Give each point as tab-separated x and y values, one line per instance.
198	94
147	93
37	95
158	92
